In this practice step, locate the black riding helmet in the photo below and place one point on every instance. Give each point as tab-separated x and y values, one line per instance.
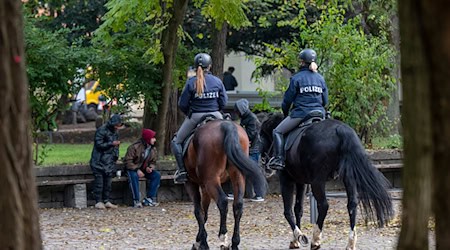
203	60
308	55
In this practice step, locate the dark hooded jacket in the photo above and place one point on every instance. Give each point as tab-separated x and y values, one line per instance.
250	123
105	154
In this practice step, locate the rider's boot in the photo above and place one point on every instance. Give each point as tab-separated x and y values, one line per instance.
181	174
277	162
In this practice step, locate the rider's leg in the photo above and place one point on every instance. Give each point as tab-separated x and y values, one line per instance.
177	148
177	142
277	162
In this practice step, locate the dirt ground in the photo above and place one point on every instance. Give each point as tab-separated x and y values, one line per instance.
173	226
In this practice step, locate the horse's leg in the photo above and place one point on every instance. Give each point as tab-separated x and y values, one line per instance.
214	189
287	192
238	207
298	210
352	205
318	191
206	201
194	193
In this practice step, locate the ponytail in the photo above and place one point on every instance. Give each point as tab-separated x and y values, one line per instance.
313	67
200	82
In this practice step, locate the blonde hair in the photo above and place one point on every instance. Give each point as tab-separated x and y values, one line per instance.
200	81
313	67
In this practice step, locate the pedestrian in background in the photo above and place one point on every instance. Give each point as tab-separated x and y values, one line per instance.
251	124
229	80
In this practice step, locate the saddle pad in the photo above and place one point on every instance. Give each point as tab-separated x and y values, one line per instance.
293	135
186	142
205	119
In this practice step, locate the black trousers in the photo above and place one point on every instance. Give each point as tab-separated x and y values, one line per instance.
102	185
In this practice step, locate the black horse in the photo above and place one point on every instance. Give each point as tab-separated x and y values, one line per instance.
326	150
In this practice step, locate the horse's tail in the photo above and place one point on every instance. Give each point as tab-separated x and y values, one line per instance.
236	155
356	168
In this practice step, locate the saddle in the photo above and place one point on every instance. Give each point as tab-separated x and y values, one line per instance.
205	119
312	117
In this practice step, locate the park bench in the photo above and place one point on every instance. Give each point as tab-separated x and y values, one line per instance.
73	183
70	186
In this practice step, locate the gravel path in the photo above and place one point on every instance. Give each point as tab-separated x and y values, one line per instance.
173	226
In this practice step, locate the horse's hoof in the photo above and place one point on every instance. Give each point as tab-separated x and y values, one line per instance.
197	246
223	247
303	240
294	245
315	247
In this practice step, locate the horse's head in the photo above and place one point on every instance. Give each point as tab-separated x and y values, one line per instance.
269	123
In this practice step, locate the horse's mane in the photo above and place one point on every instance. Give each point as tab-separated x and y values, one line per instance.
270	122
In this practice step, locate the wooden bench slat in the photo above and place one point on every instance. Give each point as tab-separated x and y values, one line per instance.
389	166
89	180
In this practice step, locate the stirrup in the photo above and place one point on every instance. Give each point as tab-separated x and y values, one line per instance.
180	177
276	163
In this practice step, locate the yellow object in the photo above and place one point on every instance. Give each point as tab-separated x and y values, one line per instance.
93	93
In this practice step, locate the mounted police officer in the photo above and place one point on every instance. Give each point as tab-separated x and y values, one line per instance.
307	92
203	94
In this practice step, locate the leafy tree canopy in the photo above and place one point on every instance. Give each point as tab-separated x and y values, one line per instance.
51	65
356	66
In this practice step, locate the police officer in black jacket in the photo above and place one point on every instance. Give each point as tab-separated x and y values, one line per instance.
203	94
307	92
104	156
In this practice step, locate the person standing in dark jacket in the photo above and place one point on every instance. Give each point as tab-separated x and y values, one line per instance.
251	124
229	80
203	94
103	160
307	92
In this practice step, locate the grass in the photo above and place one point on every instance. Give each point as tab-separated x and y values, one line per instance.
69	154
391	142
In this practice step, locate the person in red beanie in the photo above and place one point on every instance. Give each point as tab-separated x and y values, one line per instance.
140	161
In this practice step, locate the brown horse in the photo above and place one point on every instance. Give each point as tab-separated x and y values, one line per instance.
218	150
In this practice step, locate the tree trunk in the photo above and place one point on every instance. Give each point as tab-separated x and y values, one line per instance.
393	110
425	55
436	36
19	228
219	45
169	41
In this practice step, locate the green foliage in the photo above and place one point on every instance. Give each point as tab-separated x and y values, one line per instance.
41	152
51	64
356	66
137	15
83	17
264	106
125	70
390	142
231	11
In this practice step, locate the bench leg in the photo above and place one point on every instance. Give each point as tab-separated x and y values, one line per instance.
75	196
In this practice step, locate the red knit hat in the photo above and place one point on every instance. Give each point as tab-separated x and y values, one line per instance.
148	134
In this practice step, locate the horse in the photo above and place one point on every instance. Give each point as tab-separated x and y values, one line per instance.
219	150
327	149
